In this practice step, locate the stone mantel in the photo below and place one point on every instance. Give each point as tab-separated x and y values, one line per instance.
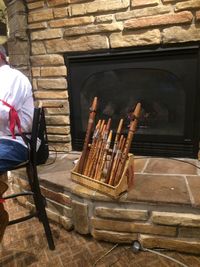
41	31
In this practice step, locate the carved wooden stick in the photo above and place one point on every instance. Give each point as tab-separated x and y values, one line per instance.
103	160
102	148
119	161
88	134
92	147
96	152
116	159
131	132
117	137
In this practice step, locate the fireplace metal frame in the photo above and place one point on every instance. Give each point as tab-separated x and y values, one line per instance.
144	145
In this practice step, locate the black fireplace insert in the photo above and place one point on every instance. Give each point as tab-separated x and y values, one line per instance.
166	81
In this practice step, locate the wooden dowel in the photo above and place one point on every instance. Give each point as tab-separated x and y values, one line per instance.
115	161
92	147
117	169
96	154
131	132
103	160
117	137
102	148
88	134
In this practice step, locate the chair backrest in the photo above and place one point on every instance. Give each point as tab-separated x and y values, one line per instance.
41	155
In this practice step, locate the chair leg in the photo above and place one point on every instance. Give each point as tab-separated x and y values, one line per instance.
39	201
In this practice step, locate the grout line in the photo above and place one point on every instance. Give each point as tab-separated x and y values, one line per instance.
145	165
189	191
166	174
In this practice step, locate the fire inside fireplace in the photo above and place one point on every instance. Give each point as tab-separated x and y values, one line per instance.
164	80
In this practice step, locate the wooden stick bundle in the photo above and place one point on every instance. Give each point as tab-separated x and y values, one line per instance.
97	155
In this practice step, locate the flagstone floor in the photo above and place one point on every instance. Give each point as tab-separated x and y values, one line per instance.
160	180
25	245
166	181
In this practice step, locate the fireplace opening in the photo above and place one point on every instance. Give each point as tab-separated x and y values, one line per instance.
164	80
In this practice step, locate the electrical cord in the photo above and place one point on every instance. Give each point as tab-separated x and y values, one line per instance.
180	160
138	247
105	254
165	256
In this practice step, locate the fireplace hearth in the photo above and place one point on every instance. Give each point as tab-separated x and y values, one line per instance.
164	80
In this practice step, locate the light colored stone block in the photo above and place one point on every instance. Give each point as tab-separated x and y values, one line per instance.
144	3
57	120
99	6
136	38
123	214
61	147
38	48
188	5
50	60
80	217
182	245
51	94
143	12
170	218
99	28
132	227
46	34
42	15
58	130
161	20
37	26
35	5
115	237
181	34
59	138
70	22
60	83
35	72
53	71
61	12
104	18
83	43
53	3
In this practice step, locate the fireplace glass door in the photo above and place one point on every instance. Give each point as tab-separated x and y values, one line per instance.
164	81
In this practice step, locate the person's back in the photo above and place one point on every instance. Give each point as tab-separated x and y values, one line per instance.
16	101
16	115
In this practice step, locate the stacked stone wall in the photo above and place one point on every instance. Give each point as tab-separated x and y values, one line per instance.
119	221
56	27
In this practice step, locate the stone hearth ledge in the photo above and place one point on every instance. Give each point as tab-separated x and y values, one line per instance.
161	210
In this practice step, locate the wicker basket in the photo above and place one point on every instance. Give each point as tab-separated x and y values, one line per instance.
113	191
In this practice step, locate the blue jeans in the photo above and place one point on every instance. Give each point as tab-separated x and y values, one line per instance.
11	154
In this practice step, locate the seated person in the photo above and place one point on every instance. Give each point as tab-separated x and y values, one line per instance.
16	101
16	115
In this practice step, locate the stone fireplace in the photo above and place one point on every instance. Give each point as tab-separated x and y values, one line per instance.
51	41
43	36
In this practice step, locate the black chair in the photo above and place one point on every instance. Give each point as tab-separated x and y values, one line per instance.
38	130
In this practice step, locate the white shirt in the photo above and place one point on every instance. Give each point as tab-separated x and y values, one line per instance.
16	90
